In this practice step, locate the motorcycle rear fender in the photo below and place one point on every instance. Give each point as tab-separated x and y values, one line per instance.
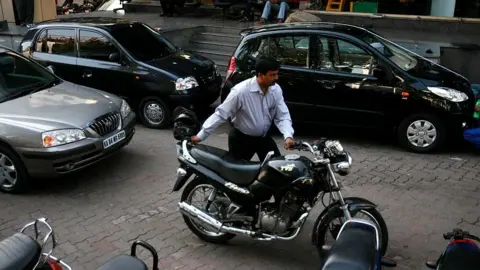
355	204
234	192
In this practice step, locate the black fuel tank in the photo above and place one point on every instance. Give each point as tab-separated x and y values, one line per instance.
282	171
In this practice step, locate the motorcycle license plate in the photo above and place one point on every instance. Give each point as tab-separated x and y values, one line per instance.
181	180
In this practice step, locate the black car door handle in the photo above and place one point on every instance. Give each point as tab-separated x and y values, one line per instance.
326	84
87	74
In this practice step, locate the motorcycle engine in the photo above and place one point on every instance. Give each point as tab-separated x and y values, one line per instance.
278	218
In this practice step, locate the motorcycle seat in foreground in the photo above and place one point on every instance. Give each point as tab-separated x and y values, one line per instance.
19	251
239	172
131	262
353	250
464	256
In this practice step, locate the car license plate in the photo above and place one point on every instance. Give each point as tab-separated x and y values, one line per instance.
108	142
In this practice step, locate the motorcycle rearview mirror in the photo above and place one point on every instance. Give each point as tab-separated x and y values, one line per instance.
387	262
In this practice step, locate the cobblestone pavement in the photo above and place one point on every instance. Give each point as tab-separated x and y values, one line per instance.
98	212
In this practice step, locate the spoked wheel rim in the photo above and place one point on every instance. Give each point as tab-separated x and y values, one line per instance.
8	172
422	133
213	210
334	229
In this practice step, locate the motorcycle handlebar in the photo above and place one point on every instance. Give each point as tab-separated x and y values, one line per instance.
458	233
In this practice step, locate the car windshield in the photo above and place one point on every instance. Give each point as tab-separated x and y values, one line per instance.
143	42
19	77
403	58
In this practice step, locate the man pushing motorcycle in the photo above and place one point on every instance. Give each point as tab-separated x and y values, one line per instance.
253	105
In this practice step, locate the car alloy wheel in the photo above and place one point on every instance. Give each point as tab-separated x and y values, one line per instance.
154	113
14	177
8	173
421	133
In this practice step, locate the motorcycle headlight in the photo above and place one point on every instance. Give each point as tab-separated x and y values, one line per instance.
448	93
183	84
62	136
124	109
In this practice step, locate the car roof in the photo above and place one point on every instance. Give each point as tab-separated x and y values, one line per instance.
325	26
99	22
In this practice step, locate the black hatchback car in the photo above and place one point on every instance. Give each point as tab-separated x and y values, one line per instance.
126	58
344	75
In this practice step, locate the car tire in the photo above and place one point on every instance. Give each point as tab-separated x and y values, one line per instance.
154	113
12	166
421	133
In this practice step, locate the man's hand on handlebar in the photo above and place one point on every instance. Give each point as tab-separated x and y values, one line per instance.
195	140
289	143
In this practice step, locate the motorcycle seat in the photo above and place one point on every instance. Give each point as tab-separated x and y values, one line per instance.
239	172
19	251
124	262
353	250
465	256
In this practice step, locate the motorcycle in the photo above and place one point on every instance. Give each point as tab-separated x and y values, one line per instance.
268	200
462	252
23	252
357	247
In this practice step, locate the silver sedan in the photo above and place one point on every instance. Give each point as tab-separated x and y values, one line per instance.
50	127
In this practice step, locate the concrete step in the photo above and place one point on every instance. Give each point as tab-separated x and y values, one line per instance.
228	48
218	37
234	31
210	54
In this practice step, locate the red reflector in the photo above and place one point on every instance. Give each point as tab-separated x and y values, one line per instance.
405	94
54	265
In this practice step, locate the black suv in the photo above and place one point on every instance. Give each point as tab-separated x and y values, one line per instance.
126	58
345	75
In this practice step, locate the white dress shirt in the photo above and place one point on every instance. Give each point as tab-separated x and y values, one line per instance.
252	111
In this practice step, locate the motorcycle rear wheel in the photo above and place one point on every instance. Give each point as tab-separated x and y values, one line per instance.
372	213
195	227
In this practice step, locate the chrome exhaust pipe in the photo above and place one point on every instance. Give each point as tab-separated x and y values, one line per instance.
197	214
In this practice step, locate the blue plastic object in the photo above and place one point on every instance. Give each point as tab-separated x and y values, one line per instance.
473	136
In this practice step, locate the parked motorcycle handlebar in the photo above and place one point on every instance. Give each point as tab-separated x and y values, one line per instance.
459	234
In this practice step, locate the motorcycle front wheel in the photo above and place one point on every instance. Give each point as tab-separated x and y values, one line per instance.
329	228
203	188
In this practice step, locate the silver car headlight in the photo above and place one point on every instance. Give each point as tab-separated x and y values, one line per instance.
62	136
448	93
124	109
183	84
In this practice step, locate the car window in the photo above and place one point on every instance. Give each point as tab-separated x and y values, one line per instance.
56	41
95	46
342	56
288	50
142	42
20	76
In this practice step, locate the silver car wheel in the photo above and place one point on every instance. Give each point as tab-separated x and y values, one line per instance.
8	173
153	113
421	133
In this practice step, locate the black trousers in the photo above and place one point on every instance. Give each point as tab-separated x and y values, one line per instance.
242	146
167	6
25	10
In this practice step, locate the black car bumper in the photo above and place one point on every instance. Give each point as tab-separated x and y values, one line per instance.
49	162
456	123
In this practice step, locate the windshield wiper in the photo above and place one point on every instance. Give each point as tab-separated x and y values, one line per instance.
29	91
44	86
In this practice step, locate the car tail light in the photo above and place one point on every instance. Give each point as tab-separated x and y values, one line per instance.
232	65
